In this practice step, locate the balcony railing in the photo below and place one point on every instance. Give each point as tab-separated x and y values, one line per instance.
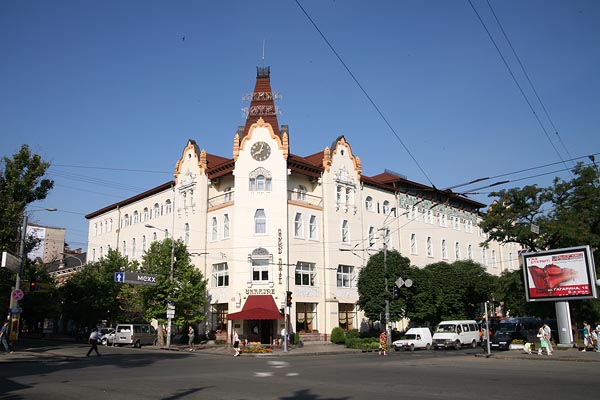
221	199
303	197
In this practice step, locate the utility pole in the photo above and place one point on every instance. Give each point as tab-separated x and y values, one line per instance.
387	300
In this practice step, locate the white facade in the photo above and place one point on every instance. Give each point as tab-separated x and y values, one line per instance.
266	221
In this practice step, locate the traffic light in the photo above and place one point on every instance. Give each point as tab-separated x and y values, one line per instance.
32	286
282	311
289	299
395	292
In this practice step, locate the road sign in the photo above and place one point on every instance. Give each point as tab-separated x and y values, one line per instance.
170	313
135	278
399	282
16	310
10	262
17	294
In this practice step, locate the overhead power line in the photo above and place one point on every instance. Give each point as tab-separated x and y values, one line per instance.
528	79
365	93
514	78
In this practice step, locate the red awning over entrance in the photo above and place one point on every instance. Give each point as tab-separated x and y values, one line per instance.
257	307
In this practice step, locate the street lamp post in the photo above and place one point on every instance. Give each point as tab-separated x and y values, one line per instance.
169	301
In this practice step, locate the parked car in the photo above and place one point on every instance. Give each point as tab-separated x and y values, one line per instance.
515	328
456	334
108	336
415	338
135	335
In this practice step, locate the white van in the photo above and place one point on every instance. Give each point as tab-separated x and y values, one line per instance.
135	335
415	338
456	334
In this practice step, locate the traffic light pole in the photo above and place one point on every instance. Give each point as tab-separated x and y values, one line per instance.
15	317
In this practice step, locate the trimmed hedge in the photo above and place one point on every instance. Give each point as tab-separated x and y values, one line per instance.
338	336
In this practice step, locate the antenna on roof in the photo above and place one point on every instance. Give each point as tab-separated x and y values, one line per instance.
263	53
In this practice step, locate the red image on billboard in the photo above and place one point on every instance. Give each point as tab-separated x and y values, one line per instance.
561	274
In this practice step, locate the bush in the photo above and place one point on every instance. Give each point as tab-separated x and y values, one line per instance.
365	344
352	333
338	336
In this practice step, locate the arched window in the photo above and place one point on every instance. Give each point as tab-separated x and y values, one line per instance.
126	220
301	194
168	206
260	180
143	244
133	248
413	244
444	250
345	232
369	203
313	227
146	214
260	221
429	247
228	196
214	235
156	210
186	234
136	217
386	207
298	230
154	236
225	226
371	236
470	252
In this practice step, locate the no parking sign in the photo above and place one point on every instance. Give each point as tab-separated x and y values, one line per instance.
17	294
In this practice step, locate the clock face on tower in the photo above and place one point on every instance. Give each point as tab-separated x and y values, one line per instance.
260	151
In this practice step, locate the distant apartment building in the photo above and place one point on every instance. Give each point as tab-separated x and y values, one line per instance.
51	243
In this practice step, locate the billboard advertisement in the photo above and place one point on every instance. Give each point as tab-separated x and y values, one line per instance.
561	274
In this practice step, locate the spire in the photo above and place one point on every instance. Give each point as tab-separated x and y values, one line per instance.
262	102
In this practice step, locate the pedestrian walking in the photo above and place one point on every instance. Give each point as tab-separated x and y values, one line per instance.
587	336
93	340
236	343
597	330
4	332
547	335
543	342
191	336
383	343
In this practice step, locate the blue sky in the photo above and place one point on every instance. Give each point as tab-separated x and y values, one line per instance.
109	92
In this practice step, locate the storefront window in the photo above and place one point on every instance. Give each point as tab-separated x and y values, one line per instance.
346	316
305	315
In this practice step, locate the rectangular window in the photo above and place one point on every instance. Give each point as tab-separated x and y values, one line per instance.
346	316
429	247
371	236
345	276
218	314
305	274
305	317
220	275
260	270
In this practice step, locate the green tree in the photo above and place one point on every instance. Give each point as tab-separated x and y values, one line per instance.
567	214
449	291
21	183
371	285
187	290
91	295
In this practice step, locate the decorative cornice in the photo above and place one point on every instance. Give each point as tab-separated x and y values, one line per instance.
236	146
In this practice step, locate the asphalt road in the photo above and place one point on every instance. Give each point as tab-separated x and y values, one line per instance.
124	373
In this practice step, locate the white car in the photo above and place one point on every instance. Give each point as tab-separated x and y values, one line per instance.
107	336
415	338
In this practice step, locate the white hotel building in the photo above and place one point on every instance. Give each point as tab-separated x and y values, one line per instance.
269	221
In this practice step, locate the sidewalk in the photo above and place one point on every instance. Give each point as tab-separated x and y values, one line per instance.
61	350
